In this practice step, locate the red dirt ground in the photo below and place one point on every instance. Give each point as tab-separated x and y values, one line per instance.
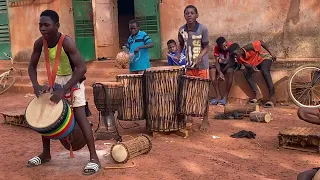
198	157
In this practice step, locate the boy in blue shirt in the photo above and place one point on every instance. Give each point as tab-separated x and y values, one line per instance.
138	44
173	59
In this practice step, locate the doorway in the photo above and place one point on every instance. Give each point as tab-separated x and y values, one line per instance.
83	27
125	14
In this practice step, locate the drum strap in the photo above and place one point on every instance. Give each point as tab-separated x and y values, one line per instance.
52	75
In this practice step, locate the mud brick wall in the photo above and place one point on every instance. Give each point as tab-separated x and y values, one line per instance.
290	27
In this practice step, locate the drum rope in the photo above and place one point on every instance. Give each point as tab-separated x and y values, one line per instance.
71	150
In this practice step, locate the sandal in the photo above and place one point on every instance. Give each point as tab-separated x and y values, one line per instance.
254	101
269	104
213	102
223	102
91	168
36	161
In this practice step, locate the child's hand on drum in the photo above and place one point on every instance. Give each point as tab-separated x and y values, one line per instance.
57	96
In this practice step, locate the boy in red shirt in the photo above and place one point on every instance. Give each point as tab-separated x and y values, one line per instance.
225	67
254	58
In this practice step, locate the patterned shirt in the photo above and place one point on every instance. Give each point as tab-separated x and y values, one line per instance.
194	42
141	62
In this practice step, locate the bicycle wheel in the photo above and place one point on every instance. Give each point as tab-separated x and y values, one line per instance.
7	82
304	86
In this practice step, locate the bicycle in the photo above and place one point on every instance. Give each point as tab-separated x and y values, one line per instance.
8	78
304	86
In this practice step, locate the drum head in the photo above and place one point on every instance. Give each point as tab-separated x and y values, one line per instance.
119	153
40	114
164	68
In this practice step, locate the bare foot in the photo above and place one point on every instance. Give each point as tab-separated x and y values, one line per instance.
95	160
38	160
204	126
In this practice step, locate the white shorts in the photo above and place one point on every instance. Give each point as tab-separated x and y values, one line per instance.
78	96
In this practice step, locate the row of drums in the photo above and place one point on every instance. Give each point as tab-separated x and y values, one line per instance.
162	96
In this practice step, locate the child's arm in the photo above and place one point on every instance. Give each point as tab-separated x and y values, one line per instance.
32	68
181	45
147	44
170	63
231	61
266	47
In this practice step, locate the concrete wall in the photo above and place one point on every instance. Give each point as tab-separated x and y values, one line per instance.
24	24
290	27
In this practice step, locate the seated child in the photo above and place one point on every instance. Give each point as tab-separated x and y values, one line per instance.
172	54
225	68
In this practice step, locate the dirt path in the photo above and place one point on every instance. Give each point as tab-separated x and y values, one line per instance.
198	157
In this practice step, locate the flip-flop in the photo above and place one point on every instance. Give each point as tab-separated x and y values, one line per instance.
269	104
36	161
254	101
213	102
222	102
91	168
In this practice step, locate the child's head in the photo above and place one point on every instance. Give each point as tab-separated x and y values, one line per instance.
191	14
235	50
222	43
172	45
134	27
49	24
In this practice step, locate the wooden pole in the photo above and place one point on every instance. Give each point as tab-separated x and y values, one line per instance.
245	109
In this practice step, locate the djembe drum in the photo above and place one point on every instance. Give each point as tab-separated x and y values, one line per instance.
54	121
122	59
132	107
108	96
193	95
161	98
123	151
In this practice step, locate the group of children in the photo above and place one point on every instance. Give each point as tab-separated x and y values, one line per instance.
192	53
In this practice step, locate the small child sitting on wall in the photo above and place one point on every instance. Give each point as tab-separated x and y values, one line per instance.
173	59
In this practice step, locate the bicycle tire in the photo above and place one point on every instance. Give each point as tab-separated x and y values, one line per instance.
289	89
10	85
